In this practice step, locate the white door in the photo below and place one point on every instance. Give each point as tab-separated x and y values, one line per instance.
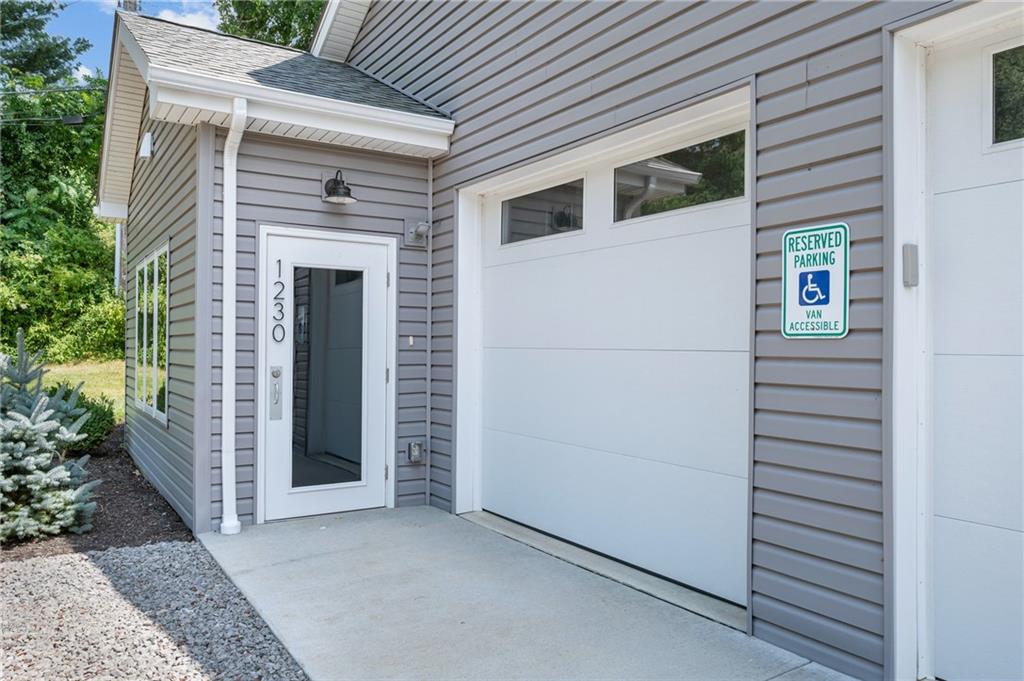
616	362
324	328
975	244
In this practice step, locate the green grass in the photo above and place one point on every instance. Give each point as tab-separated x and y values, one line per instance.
101	378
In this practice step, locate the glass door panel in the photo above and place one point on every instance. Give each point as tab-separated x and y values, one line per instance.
327	377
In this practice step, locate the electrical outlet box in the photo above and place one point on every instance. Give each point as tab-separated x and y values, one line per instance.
415	452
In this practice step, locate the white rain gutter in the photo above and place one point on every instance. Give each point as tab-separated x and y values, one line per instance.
229	508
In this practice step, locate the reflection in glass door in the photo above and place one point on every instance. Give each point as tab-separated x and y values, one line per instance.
327	377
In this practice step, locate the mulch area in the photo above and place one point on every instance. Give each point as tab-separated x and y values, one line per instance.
130	512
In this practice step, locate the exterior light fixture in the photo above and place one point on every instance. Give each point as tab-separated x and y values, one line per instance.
336	191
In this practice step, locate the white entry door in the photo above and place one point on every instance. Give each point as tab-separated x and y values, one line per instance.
975	246
324	337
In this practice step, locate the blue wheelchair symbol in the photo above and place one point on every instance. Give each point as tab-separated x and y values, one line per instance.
814	287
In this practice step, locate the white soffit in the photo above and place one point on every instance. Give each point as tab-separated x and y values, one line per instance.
339	26
125	96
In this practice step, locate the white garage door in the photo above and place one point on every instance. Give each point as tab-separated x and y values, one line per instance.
616	359
976	285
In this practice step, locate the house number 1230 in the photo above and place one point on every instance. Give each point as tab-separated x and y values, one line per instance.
277	332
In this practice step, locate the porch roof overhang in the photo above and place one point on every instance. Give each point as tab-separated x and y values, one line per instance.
190	96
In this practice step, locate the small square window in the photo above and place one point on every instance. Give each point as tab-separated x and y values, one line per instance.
554	210
709	171
1008	95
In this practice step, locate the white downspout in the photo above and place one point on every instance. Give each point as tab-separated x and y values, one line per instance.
229	512
117	257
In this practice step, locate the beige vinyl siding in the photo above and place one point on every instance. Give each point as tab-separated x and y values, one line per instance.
279	183
162	211
524	80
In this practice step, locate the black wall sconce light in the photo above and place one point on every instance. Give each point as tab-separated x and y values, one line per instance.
337	191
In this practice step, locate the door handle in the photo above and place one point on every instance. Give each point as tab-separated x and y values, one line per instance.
275	402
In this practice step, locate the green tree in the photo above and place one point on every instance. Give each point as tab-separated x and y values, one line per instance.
56	259
282	22
26	47
41	492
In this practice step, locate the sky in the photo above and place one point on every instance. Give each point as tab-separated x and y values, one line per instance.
94	21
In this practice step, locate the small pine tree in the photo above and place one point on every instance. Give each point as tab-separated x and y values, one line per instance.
41	493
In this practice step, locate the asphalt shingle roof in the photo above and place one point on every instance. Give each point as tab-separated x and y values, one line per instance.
201	51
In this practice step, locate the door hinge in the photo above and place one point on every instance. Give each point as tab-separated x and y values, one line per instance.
387	375
389	279
387	471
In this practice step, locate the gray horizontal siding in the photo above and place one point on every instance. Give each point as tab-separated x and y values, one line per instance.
279	183
162	210
523	80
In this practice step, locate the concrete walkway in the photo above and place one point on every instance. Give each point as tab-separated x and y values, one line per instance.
421	594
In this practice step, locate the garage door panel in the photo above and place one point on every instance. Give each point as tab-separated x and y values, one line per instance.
668	519
976	255
601	234
956	83
977	573
979	444
690	292
661	406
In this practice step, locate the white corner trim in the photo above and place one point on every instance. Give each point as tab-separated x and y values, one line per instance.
469	352
912	656
229	512
107	210
323	29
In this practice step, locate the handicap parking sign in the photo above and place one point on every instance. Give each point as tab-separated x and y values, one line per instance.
816	281
814	287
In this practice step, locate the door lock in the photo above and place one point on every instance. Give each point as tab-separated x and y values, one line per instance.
275	390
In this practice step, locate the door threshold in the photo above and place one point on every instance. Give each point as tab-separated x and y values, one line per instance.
691	600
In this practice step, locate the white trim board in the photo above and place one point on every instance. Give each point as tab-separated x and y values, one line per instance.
699	121
391	243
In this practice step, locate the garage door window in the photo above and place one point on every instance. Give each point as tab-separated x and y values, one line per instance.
708	171
1008	95
555	210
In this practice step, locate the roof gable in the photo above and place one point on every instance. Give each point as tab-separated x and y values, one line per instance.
251	62
192	76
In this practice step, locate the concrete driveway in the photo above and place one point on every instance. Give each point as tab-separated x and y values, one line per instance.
421	594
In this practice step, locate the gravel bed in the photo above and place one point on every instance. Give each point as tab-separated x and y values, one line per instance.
159	611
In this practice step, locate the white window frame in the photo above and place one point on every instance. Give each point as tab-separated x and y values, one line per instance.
988	127
149	342
737	122
580	176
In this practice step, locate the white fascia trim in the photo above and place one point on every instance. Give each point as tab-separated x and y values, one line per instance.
324	28
106	210
183	88
131	45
